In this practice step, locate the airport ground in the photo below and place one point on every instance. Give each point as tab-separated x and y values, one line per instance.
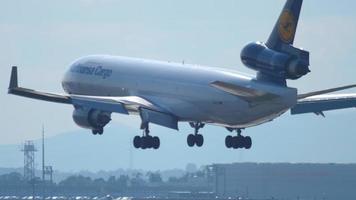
218	181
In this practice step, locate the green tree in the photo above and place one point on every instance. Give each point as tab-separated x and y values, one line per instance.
11	179
154	177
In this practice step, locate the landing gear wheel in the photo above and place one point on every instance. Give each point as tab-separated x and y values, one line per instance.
149	141
235	142
228	141
199	140
191	140
248	142
145	144
99	131
156	142
240	142
137	142
146	141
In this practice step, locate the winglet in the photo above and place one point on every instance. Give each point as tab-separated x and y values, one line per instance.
13	79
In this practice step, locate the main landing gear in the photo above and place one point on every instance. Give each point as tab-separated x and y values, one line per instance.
146	141
239	141
196	138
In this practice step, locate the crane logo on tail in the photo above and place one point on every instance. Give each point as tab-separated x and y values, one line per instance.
287	26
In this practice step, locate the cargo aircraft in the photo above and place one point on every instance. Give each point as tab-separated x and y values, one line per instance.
165	93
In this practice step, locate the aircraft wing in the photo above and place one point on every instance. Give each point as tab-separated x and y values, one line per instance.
321	103
148	111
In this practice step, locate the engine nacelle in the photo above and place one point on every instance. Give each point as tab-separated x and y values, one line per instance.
290	63
91	118
296	69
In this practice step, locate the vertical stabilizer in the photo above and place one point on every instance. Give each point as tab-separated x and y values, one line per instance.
286	26
277	60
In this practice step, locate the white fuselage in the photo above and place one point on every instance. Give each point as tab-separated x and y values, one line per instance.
181	89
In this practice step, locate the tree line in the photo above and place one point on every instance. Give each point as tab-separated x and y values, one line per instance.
150	182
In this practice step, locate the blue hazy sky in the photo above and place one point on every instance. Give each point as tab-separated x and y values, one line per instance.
43	37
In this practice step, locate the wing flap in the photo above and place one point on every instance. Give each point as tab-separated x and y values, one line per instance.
159	118
100	104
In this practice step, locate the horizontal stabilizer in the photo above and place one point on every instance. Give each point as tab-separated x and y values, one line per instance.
319	104
311	94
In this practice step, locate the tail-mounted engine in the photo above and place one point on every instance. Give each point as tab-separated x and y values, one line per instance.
91	118
289	63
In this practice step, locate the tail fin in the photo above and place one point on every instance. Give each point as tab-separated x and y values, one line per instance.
286	26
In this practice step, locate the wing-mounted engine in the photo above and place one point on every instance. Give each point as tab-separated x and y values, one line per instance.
92	119
287	63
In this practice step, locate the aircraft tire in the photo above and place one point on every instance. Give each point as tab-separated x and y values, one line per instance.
229	141
191	140
235	142
145	142
137	142
247	142
156	142
199	140
240	142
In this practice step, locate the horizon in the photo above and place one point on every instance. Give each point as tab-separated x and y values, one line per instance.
60	163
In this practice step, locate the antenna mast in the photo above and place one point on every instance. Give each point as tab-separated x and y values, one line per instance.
43	155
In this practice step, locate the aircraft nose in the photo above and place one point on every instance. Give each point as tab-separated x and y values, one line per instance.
67	78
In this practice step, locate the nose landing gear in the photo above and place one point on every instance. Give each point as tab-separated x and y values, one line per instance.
239	141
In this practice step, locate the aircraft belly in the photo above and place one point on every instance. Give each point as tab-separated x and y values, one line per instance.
231	112
236	116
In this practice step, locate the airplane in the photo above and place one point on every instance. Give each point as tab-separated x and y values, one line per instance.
165	93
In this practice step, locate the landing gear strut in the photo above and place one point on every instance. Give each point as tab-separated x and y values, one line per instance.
239	141
146	141
196	138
